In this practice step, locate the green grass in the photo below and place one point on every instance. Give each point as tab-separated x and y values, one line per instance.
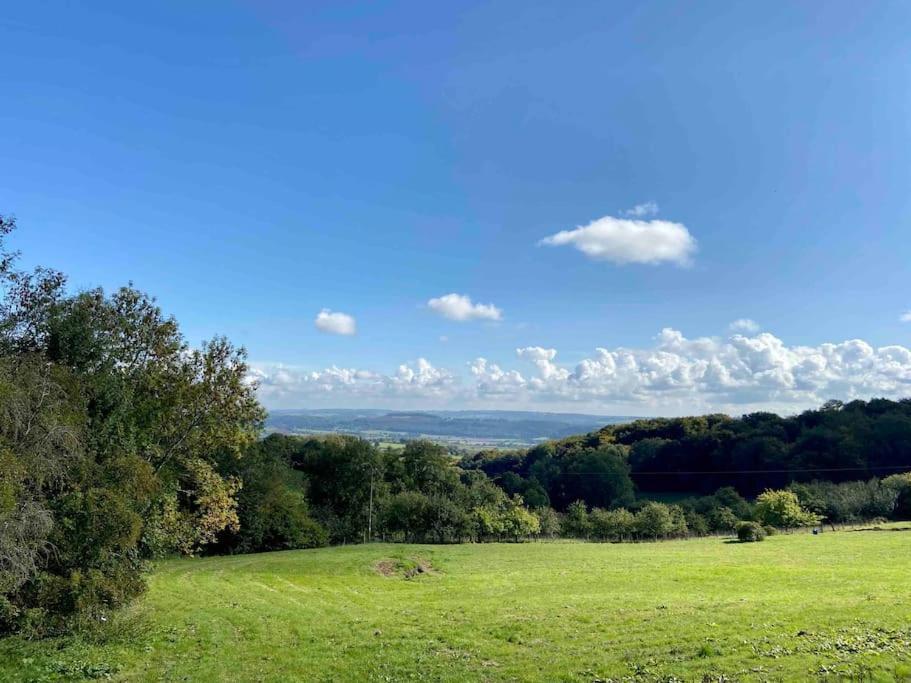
794	607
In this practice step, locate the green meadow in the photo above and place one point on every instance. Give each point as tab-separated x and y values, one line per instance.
794	607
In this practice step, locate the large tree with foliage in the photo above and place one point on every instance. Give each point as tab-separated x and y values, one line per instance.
112	435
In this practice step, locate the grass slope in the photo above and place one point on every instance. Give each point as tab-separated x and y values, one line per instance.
795	607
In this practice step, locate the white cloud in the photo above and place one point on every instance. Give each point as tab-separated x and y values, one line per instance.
491	379
905	317
640	210
280	385
460	307
544	361
422	377
675	375
744	325
335	323
623	240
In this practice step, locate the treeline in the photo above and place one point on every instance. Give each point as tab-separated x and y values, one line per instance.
697	455
724	511
308	491
342	489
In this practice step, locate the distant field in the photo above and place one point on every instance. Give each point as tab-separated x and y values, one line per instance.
795	607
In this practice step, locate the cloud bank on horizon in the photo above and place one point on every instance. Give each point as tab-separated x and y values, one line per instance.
675	376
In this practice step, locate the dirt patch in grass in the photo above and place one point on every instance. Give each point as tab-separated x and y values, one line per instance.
385	567
403	568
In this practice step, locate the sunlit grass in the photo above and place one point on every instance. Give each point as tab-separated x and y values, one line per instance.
793	607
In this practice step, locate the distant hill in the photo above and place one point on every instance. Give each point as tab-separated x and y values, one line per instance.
473	425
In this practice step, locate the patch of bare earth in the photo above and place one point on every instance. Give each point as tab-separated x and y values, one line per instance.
406	569
385	567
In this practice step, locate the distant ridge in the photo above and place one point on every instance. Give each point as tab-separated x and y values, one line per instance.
521	427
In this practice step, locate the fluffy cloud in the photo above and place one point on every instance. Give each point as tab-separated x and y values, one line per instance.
740	373
280	385
335	323
640	210
674	375
460	307
421	378
905	317
624	240
491	379
544	360
744	325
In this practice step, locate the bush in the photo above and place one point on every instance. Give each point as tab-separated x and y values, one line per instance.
550	522
576	522
601	528
899	486
770	530
521	522
696	523
655	520
750	532
783	509
722	519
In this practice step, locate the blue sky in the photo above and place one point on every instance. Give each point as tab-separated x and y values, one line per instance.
252	164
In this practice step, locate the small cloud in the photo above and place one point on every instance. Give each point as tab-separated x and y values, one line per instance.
444	338
624	240
905	317
460	307
744	325
335	323
640	210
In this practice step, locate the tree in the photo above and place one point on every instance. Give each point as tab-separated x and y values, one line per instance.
678	525
549	520
576	521
654	521
611	525
348	479
722	519
600	523
600	478
112	429
696	523
899	488
519	522
447	521
406	515
728	497
272	508
427	467
149	395
489	522
782	509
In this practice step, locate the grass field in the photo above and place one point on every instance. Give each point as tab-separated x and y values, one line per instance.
795	607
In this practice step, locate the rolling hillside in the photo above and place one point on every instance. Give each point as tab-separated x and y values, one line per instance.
795	607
